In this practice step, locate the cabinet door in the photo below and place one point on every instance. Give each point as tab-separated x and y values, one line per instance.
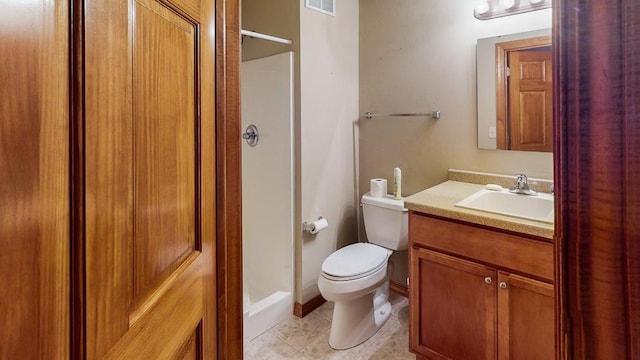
525	318
452	307
149	160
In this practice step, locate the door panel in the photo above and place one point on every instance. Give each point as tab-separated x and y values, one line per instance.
455	308
525	318
189	352
168	321
34	180
164	142
530	101
191	7
150	179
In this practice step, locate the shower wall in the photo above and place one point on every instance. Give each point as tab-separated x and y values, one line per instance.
326	110
267	190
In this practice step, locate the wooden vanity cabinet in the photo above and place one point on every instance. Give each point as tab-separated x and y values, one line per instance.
525	318
452	309
465	304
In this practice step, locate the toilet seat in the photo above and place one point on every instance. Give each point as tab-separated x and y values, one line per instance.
355	261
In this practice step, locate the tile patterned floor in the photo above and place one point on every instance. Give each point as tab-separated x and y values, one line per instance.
308	338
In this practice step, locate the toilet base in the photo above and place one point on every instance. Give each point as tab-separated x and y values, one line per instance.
357	320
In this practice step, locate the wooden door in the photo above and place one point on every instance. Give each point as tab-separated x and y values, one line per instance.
526	310
452	307
148	163
530	102
34	180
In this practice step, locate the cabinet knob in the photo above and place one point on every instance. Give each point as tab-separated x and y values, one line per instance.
503	285
488	280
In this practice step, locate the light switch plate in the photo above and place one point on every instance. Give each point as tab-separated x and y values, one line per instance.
492	132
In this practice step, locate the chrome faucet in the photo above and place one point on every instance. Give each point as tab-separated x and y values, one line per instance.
521	186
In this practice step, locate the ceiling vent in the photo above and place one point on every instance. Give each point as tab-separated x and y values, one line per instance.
324	6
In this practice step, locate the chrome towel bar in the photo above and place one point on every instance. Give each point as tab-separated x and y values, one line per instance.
434	114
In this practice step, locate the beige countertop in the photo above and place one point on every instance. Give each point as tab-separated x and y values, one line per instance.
440	199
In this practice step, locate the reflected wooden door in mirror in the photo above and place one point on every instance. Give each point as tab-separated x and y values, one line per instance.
524	116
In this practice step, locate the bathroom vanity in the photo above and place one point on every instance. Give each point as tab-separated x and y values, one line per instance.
481	284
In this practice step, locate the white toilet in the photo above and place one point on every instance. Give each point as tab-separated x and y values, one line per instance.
355	277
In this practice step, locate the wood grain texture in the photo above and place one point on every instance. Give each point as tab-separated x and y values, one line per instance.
165	142
524	325
531	101
163	332
190	7
38	183
596	170
108	170
207	183
34	180
502	110
515	253
150	181
453	309
631	166
190	350
228	165
526	310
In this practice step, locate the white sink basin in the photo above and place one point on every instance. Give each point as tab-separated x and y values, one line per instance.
533	207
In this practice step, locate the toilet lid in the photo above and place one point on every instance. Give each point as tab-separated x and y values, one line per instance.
355	259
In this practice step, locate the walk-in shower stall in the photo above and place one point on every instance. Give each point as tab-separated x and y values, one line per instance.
267	192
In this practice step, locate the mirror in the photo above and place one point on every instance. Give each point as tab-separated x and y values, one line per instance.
514	92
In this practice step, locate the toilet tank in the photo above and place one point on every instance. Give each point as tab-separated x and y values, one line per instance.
386	221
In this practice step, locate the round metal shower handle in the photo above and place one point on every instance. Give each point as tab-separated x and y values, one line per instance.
251	135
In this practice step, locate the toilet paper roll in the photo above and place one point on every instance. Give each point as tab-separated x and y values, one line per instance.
378	188
318	225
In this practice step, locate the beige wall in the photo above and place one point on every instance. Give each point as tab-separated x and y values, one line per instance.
380	56
418	56
279	18
329	108
326	86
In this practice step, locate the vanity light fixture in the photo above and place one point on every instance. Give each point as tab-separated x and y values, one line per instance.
508	4
489	9
483	7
